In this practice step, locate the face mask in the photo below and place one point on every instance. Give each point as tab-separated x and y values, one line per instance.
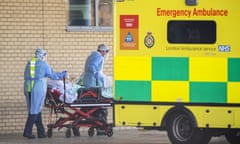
44	58
106	56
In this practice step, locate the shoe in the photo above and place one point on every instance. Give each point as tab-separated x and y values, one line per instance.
42	136
29	136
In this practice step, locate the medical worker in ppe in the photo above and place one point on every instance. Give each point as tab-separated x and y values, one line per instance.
93	75
35	87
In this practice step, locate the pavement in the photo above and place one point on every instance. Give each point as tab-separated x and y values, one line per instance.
127	136
120	136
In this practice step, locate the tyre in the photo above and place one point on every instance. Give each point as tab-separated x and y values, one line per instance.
68	133
181	130
76	131
91	131
110	132
233	136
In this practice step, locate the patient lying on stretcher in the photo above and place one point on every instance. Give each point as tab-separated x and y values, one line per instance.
72	88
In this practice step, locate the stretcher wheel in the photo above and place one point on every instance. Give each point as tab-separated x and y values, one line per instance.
68	133
110	132
49	132
76	131
91	131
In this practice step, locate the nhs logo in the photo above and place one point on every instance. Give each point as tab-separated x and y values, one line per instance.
224	48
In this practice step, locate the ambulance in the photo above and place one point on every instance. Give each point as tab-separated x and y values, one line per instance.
177	68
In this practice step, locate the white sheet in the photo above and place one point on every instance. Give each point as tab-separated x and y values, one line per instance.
71	89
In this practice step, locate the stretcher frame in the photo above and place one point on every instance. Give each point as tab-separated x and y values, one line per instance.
77	115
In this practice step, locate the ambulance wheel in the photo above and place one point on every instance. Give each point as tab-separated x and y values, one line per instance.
49	132
110	132
91	131
233	136
181	130
68	133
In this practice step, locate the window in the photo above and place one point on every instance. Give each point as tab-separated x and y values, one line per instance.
191	32
90	15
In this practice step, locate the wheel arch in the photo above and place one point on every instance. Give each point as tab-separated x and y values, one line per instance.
177	109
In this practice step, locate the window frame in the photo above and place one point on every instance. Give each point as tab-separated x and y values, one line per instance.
89	28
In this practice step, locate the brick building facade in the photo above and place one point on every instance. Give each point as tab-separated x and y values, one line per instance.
26	25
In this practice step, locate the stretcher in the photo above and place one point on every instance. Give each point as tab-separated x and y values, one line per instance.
88	110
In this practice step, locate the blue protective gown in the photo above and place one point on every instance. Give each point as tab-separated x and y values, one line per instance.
93	75
38	91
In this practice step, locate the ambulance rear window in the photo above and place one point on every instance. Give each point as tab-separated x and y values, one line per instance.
193	32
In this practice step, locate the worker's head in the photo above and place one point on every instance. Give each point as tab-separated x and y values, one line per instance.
103	49
40	53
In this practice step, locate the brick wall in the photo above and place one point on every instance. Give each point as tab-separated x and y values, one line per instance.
26	25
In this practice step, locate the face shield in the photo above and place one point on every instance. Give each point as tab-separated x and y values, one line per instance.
104	50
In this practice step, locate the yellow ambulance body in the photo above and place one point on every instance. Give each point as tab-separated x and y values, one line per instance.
177	67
